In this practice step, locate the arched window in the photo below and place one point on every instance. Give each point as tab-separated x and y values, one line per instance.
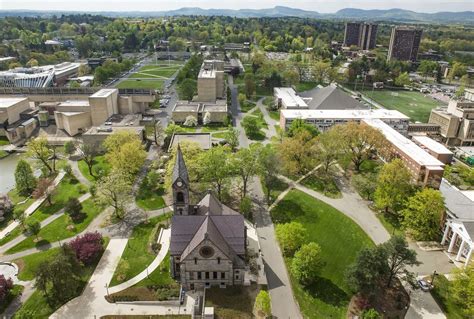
180	197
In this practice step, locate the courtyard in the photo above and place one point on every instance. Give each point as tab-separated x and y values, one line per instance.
151	76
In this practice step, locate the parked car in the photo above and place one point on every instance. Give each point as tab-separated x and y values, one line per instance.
424	285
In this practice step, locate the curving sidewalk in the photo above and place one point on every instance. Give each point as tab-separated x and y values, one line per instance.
164	240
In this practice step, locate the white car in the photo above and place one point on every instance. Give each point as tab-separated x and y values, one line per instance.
424	285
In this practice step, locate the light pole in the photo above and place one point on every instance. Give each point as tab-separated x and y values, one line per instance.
433	277
107	288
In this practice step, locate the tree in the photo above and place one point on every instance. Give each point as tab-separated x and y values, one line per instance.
89	152
263	305
370	314
59	278
251	126
242	99
19	216
307	263
157	131
84	69
359	141
320	71
127	158
206	118
32	63
462	289
393	186
39	150
299	125
458	70
172	129
44	188
329	149
216	168
187	89
422	214
231	136
88	247
119	138
365	184
5	286
269	168
190	121
73	208
298	153
245	206
399	256
290	236
250	86
403	79
115	190
34	228
69	148
245	162
427	68
24	178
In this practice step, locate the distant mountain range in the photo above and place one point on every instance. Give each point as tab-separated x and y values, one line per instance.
399	15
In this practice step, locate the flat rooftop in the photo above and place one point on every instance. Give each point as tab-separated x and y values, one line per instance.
431	144
405	145
203	139
219	106
107	130
289	97
344	114
209	74
72	103
104	92
6	102
184	106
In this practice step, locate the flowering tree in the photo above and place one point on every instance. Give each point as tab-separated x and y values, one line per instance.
87	247
5	286
190	121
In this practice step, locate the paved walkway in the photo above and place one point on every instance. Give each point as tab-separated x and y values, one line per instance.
77	173
284	304
92	304
31	209
164	240
271	131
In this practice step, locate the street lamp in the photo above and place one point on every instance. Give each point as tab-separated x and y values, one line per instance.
433	277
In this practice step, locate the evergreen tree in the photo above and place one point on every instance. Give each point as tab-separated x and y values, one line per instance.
24	178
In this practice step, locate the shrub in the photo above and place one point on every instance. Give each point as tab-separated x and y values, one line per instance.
5	286
87	247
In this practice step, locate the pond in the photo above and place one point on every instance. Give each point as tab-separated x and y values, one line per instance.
7	172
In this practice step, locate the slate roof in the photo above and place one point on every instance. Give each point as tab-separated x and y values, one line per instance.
456	202
469	228
179	169
330	98
225	231
210	205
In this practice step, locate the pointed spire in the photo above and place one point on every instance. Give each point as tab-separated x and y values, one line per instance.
180	170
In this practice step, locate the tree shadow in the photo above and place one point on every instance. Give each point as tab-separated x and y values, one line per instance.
326	291
286	211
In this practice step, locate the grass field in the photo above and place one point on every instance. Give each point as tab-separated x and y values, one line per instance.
150	76
148	198
58	229
340	240
411	103
100	167
322	184
15	198
137	255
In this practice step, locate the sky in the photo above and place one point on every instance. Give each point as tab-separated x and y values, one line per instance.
324	6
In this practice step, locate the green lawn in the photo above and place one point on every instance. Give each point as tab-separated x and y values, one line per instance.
148	198
247	106
440	293
58	229
411	103
99	168
4	141
153	71
340	240
137	255
322	184
278	188
3	154
213	128
30	263
67	188
141	84
219	135
260	123
15	199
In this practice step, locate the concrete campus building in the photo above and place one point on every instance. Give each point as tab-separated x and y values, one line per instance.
211	97
208	240
456	121
458	229
404	44
16	119
360	34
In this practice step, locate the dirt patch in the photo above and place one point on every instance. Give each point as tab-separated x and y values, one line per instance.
232	302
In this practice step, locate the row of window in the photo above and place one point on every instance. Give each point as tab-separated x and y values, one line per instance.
206	275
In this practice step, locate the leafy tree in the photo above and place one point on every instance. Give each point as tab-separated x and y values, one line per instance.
329	149
299	125
187	89
462	289
84	69
128	158
88	247
371	314
206	118
427	68
298	153
365	184
190	121
307	263
242	99
115	190
5	286
69	147
263	305
34	228
269	168
393	186
59	278
232	137
39	150
44	188
216	168
24	178
89	152
119	138
290	236
399	256
422	214
359	141
32	63
251	126
403	79
172	129
245	162
250	86
19	216
73	208
458	70
245	206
